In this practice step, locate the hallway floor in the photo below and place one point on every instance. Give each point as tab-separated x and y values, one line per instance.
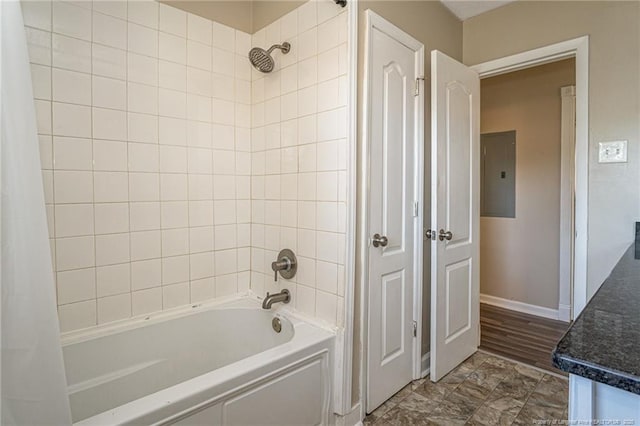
483	390
521	337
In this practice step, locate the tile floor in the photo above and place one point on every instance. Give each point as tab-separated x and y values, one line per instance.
483	390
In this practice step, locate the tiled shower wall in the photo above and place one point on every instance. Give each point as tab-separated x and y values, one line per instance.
144	122
299	146
160	188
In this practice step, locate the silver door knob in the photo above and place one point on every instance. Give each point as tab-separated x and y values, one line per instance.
379	241
430	234
445	235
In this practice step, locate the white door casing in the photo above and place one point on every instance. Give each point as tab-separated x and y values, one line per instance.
393	129
455	208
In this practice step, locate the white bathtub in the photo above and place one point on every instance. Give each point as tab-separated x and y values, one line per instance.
223	365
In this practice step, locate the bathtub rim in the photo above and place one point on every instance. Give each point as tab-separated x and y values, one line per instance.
247	300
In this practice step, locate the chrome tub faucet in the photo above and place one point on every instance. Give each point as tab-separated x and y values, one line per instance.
283	297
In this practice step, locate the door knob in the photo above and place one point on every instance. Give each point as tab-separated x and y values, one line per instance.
445	235
379	241
430	234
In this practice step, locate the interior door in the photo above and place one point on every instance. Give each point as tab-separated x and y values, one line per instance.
455	210
394	61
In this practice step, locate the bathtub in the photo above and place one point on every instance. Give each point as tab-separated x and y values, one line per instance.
221	364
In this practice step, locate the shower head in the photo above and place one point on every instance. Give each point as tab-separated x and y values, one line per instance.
262	60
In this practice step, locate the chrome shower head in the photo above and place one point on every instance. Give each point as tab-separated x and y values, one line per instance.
262	60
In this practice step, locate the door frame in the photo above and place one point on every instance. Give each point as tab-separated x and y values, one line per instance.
373	20
577	48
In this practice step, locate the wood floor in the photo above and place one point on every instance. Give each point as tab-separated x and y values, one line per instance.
521	337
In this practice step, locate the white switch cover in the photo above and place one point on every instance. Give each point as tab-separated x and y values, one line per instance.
612	152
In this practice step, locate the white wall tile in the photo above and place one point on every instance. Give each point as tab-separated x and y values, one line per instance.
75	286
74	253
72	153
73	220
143	157
109	155
73	187
144	216
113	279
145	245
115	8
143	12
172	75
199	29
175	269
109	124
71	20
144	187
114	308
37	14
172	48
142	69
112	249
172	103
142	98
71	53
142	40
109	62
146	274
202	290
76	316
198	55
109	31
224	37
109	93
174	187
146	301
71	120
43	117
142	128
110	187
173	20
39	46
175	295
111	218
168	207
41	81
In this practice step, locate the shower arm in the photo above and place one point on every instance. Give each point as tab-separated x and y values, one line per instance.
284	47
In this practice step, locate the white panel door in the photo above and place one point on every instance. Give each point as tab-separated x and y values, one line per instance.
394	61
455	157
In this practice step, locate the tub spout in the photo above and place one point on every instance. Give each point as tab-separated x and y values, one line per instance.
284	296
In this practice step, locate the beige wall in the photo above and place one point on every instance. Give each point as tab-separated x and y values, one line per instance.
265	12
614	100
512	250
437	28
237	14
246	15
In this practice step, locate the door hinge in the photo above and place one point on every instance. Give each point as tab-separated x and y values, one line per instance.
415	329
418	79
416	205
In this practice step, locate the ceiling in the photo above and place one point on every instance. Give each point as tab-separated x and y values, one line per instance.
465	9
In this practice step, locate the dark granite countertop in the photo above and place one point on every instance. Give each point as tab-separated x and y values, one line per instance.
603	344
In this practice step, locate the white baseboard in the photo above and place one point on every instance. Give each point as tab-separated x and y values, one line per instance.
526	308
425	364
564	313
353	418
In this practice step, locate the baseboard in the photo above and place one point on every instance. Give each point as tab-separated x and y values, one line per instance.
353	418
425	364
526	308
564	313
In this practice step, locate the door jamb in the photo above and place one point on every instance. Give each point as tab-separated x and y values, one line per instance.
578	48
372	20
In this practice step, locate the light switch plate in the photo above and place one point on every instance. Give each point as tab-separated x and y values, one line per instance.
612	152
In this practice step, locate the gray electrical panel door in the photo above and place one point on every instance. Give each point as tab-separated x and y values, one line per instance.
498	174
